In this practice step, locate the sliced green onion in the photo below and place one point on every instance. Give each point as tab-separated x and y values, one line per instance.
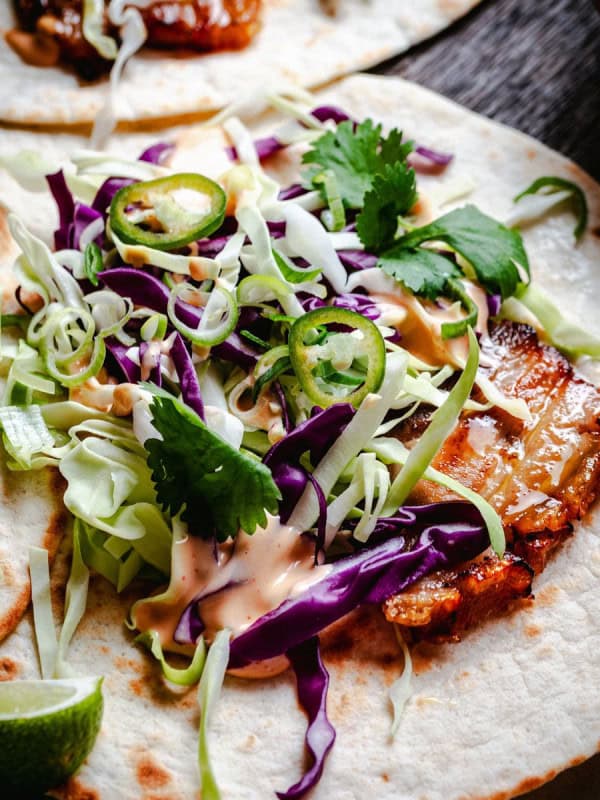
336	218
255	339
92	263
291	272
180	677
218	320
209	690
280	366
24	373
442	422
258	289
155	327
455	289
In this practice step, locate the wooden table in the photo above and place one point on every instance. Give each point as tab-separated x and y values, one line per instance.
534	65
531	64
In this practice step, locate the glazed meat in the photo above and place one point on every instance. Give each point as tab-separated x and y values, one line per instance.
443	605
56	26
539	475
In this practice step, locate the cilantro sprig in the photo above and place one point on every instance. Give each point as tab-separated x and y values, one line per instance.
355	154
373	176
392	193
217	489
494	252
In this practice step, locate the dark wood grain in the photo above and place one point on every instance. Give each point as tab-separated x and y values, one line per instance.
534	65
531	64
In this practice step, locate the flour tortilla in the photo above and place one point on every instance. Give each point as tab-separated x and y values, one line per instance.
505	710
298	44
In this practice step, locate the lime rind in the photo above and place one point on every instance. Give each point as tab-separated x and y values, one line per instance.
42	745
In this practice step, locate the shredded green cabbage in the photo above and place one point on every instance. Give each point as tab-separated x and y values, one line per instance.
208	695
400	690
565	335
24	433
75	604
43	621
442	422
181	677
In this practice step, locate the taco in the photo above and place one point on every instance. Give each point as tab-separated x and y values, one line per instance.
523	679
297	42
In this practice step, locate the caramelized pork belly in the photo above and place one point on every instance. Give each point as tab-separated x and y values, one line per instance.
443	605
193	24
539	474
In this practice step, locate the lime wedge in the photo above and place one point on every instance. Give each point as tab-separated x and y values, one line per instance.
47	728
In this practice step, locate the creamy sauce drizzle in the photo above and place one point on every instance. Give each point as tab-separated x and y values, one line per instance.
420	323
237	582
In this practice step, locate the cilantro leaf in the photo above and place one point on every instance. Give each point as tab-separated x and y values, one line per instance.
221	489
492	249
577	198
422	271
393	192
355	154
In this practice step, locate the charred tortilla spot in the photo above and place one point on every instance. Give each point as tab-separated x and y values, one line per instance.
150	774
9	669
532	631
74	790
547	595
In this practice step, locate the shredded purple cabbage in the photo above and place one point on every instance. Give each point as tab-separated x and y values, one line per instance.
157	153
107	191
264	148
361	303
326	113
494	302
66	207
312	681
210	248
369	576
357	259
316	435
290	192
146	290
285	414
441	159
188	380
128	368
74	217
322	519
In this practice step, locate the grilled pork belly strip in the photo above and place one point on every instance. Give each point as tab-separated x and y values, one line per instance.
445	604
193	24
539	475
